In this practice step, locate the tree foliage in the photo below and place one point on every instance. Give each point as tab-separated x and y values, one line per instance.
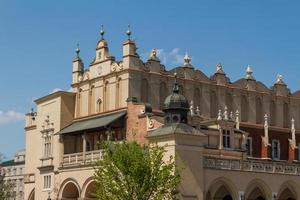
130	171
6	188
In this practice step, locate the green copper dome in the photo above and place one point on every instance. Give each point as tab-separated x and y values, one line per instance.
175	100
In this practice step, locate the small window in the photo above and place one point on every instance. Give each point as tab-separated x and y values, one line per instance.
275	149
226	138
249	146
47	182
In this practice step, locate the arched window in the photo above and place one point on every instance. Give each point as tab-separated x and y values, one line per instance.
213	104
272	113
229	101
197	97
162	94
106	96
286	115
244	110
259	111
144	91
118	93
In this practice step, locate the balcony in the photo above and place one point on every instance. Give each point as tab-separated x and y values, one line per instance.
252	165
81	158
29	178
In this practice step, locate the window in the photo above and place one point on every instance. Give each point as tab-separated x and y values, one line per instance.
213	104
244	114
47	146
259	111
47	182
226	138
249	146
272	113
285	115
275	149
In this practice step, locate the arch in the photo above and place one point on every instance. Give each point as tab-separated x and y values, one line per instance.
259	111
99	104
213	104
223	189
145	91
89	189
197	98
272	113
257	189
288	191
69	190
244	110
286	115
163	91
31	195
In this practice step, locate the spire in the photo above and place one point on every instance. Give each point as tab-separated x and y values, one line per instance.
249	73
175	87
219	68
77	58
128	32
102	32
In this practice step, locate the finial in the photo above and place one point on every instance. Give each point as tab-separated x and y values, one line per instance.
77	50
219	115
192	109
266	119
279	79
249	73
186	59
102	32
198	111
175	87
219	69
225	113
292	124
231	117
128	32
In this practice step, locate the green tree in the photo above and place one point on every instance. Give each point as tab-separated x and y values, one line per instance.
6	188
130	171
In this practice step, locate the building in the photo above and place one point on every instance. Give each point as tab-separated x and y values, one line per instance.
238	139
14	173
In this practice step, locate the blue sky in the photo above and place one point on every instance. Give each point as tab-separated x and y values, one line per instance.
38	38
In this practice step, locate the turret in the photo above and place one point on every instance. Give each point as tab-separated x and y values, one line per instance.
102	52
77	67
130	56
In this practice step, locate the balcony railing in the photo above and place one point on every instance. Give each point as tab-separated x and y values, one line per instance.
81	158
254	165
29	178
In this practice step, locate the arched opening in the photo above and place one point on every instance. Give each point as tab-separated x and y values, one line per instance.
197	98
258	190
31	195
70	191
259	111
90	191
272	113
99	104
213	104
223	194
286	194
144	91
244	110
162	94
288	191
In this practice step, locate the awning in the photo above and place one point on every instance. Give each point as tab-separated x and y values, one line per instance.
93	123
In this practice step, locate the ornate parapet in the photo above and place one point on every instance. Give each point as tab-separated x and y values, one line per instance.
252	165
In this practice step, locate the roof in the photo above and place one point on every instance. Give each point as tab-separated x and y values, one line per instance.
53	95
173	128
11	163
89	124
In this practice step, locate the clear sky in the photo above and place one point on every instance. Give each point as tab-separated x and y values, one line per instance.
38	39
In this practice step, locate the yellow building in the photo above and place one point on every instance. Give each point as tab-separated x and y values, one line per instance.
238	140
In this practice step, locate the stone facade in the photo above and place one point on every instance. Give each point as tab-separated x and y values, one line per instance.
14	173
242	134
